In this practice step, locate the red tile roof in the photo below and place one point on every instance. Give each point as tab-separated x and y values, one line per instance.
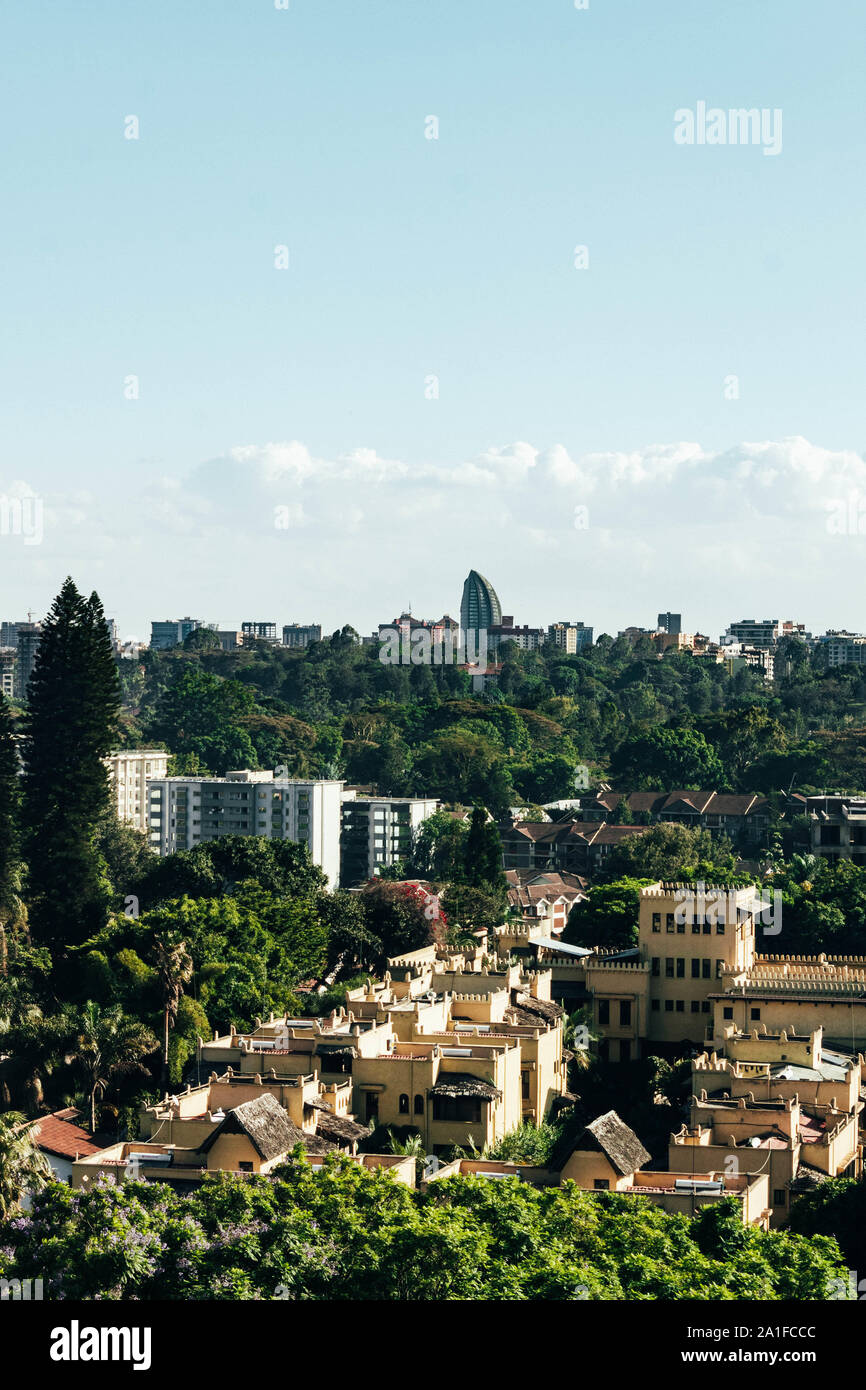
61	1137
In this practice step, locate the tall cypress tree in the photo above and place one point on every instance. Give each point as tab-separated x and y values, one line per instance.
73	702
483	853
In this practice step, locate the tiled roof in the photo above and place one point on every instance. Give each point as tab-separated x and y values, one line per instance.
59	1136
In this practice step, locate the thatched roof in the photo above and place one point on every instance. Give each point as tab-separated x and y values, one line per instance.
338	1129
532	1012
457	1084
608	1135
266	1125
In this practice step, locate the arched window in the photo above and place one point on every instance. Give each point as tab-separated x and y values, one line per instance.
404	1104
419	1105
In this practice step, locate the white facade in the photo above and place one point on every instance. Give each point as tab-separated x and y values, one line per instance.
188	811
131	772
378	832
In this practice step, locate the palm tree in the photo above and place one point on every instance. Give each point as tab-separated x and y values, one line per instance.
23	1166
413	1147
577	1038
107	1043
173	964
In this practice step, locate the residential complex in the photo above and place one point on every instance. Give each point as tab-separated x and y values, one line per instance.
187	811
743	817
298	635
172	632
837	827
378	832
131	772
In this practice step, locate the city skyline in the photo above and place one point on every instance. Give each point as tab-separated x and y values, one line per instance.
537	337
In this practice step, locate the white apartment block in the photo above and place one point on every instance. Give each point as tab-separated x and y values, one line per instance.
188	811
377	832
131	771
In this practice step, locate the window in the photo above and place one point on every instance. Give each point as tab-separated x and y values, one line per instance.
404	1104
720	929
654	1006
244	1167
372	1105
696	927
696	970
419	1105
754	1014
681	1007
705	969
720	965
669	1006
669	924
669	968
604	1011
601	1184
708	927
696	1006
778	1196
681	968
705	1006
727	1013
524	1085
657	921
656	965
625	1011
466	1109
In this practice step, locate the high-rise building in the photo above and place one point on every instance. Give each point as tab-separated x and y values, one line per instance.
131	773
29	636
172	632
9	634
8	657
259	632
188	811
480	609
571	637
672	623
377	832
297	635
755	634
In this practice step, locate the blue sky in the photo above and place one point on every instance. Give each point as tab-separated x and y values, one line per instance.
408	257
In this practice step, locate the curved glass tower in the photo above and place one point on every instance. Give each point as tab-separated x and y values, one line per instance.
480	608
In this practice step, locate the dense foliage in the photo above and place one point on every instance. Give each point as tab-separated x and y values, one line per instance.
346	1233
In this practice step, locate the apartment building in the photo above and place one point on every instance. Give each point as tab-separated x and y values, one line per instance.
748	1135
837	827
259	632
378	832
671	623
741	817
842	648
301	635
131	771
441	1045
578	847
29	637
569	637
172	632
8	658
752	633
187	811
